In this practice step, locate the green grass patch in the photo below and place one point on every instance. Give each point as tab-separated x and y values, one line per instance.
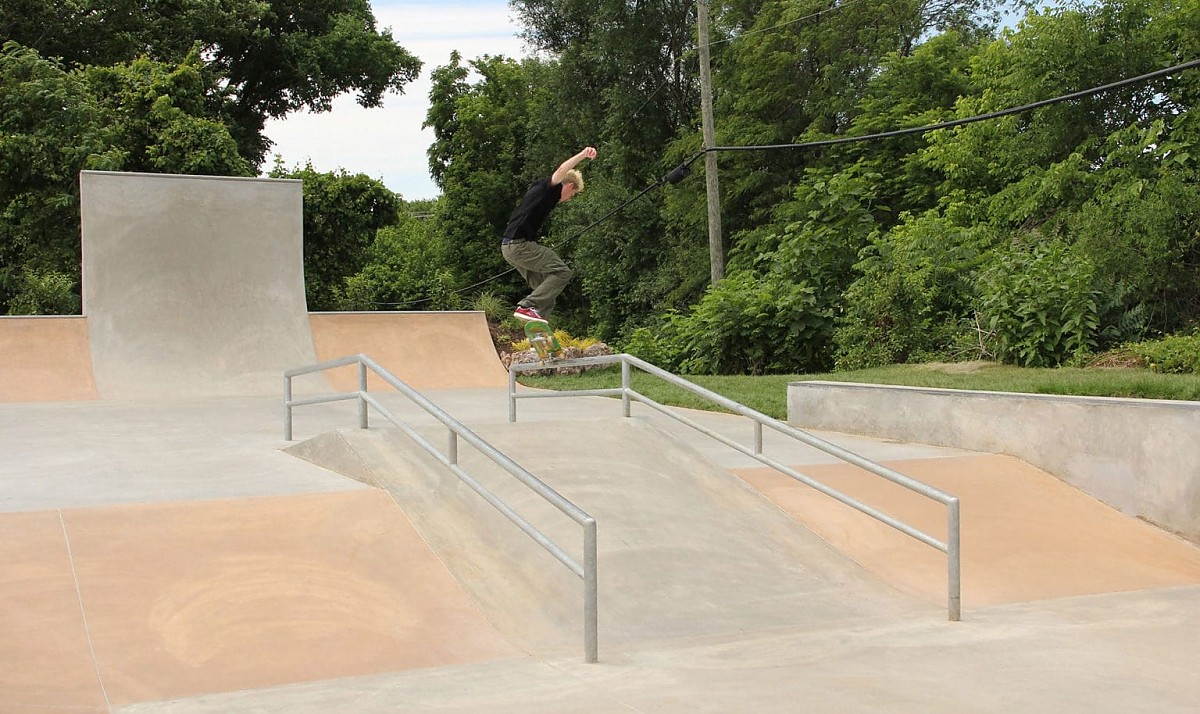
768	394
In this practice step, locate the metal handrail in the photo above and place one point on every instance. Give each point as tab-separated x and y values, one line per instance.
586	572
952	546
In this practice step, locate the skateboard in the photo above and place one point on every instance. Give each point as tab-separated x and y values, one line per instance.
543	341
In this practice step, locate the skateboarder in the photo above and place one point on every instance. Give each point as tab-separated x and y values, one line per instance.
546	273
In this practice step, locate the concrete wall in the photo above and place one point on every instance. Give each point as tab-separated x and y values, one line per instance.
1140	456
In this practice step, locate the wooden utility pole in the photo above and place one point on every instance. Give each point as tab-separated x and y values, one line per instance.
716	247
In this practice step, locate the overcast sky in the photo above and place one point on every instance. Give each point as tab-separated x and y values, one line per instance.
387	142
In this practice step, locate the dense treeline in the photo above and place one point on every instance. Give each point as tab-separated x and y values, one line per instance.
1038	238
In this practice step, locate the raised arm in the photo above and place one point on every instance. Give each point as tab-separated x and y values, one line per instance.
560	174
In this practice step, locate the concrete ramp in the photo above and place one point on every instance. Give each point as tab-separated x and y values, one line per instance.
427	350
685	549
192	285
45	359
143	603
1025	534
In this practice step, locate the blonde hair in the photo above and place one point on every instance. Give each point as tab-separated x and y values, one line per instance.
573	176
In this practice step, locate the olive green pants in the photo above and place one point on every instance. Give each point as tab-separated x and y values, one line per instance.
541	267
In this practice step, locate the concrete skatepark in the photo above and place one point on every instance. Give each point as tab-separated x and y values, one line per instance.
164	548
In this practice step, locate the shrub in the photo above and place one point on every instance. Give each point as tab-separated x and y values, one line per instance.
1039	304
1174	354
44	292
745	324
912	295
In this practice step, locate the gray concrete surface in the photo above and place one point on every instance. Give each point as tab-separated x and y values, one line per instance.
1140	456
1105	653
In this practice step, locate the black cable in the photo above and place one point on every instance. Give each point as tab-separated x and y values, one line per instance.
968	120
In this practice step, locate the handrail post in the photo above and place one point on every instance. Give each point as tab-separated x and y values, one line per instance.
758	437
362	388
452	448
591	644
512	396
287	412
954	557
625	382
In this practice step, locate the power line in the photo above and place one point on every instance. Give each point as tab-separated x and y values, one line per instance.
967	120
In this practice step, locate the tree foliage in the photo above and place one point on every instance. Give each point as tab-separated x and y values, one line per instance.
343	213
261	58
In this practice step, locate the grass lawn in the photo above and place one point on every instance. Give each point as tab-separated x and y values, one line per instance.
768	394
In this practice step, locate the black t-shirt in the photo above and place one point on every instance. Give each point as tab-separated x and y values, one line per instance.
526	221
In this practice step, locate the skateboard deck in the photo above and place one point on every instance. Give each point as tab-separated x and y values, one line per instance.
543	340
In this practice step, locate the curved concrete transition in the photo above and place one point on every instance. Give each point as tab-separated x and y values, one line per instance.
426	350
187	289
45	359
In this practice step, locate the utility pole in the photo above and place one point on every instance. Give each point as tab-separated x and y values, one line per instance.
716	247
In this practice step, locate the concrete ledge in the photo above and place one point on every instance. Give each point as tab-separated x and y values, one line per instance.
1140	456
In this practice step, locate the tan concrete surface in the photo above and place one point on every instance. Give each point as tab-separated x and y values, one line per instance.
426	350
183	599
1025	534
45	359
45	657
192	285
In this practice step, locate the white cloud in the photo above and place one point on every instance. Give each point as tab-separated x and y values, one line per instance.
388	142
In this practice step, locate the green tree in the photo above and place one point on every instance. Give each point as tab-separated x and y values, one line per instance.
55	122
160	121
39	163
405	268
262	58
343	212
478	157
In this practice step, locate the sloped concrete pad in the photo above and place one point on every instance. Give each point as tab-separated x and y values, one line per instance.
426	350
1025	534
192	285
184	599
45	359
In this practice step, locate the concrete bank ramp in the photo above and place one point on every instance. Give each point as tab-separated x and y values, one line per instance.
685	549
1026	535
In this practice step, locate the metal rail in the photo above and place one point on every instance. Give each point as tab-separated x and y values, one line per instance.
951	547
585	571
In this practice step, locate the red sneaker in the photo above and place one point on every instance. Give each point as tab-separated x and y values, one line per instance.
529	314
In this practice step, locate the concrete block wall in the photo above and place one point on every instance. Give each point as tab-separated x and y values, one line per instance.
1140	456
